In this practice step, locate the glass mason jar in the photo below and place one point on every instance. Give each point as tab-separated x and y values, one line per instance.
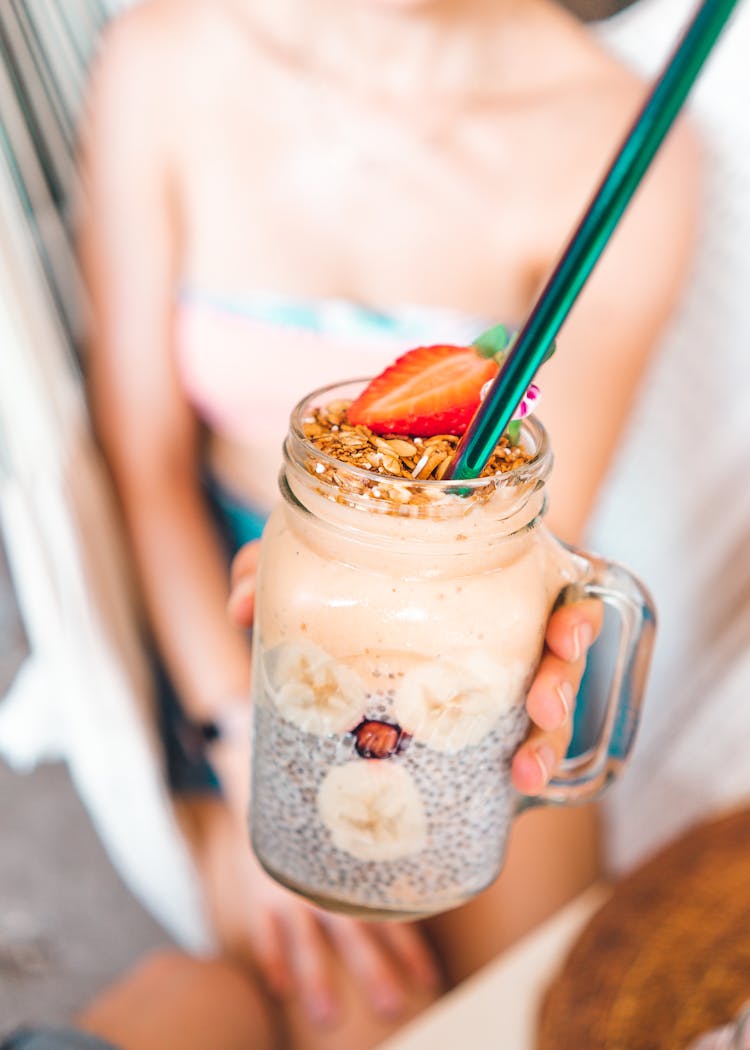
398	625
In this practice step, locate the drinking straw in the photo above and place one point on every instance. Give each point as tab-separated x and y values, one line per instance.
589	239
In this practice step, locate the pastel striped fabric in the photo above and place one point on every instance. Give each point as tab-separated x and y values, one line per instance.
82	695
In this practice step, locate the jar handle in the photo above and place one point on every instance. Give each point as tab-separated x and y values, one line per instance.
581	778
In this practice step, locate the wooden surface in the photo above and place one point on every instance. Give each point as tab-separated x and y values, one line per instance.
668	956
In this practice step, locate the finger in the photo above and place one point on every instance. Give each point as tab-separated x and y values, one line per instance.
241	604
572	629
551	699
309	954
270	956
410	947
538	757
368	960
245	562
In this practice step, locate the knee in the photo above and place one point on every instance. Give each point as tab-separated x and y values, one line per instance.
163	966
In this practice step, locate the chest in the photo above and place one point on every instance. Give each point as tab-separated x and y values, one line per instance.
323	193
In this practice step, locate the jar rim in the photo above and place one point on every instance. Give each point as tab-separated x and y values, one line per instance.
539	464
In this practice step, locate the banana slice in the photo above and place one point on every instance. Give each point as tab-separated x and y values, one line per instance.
312	690
448	708
373	810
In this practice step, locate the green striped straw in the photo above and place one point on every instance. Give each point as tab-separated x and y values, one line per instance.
589	240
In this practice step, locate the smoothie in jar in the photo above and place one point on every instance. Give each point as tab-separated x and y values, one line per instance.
399	621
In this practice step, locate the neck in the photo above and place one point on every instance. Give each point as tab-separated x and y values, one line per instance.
408	48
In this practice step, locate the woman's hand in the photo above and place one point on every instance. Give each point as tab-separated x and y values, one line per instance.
296	947
241	604
571	631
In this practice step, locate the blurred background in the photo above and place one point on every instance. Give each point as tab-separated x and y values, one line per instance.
68	925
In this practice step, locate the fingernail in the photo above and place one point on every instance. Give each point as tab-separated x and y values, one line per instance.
235	603
566	696
388	1003
583	636
545	756
321	1010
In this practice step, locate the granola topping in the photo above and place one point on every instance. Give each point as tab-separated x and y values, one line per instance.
390	455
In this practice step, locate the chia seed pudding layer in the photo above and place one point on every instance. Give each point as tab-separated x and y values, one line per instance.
467	799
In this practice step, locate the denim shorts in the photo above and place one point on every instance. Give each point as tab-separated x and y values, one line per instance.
53	1039
188	769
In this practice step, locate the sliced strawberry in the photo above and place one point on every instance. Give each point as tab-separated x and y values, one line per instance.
430	390
376	739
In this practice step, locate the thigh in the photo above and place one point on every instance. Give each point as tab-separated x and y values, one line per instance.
174	1000
553	855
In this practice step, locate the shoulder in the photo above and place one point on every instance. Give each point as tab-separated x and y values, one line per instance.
652	248
158	53
168	32
600	99
599	105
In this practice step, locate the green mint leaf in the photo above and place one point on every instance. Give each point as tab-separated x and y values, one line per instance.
493	342
514	431
498	341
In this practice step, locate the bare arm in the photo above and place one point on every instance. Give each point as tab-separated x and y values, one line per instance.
588	389
129	241
129	238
